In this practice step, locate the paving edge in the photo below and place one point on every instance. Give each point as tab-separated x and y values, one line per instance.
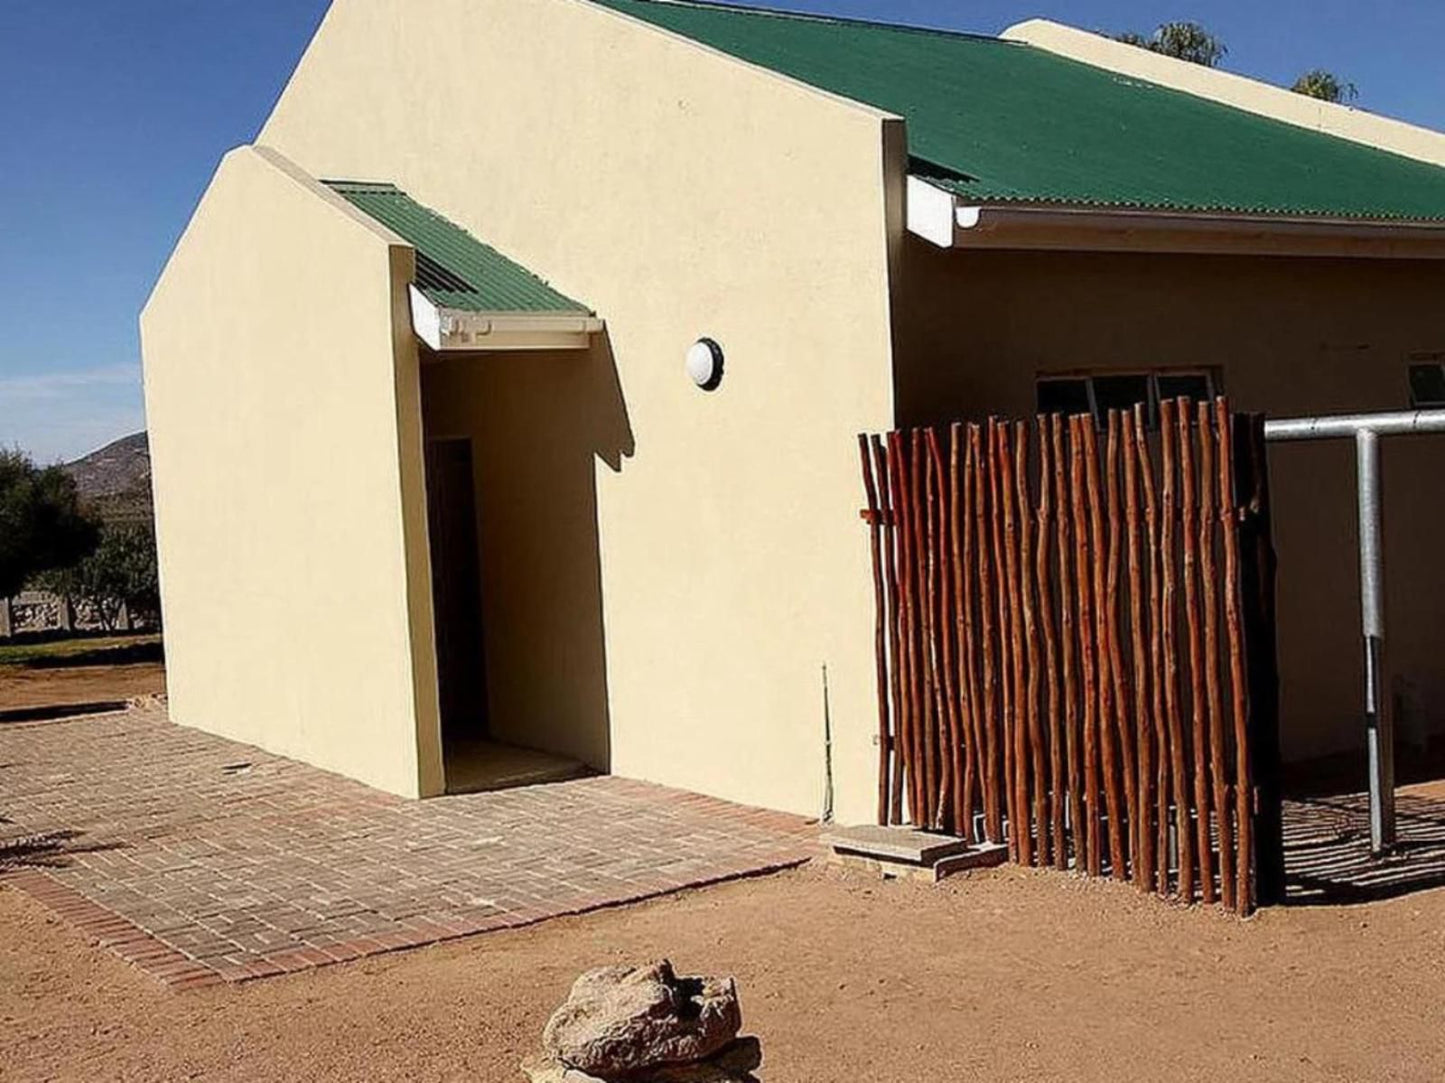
122	936
179	971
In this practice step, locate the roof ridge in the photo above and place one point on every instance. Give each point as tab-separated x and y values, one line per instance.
821	17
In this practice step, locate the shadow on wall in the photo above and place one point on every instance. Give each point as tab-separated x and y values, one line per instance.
1288	337
538	422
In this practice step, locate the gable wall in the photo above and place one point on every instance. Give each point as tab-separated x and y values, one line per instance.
681	194
284	435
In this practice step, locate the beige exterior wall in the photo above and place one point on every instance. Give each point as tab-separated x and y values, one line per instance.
282	399
681	194
1293	337
1252	95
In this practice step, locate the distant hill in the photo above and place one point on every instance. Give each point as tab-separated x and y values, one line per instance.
116	480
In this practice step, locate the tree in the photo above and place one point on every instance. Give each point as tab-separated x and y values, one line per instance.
1181	40
120	572
1325	85
42	525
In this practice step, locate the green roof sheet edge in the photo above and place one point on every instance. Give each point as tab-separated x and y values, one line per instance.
1004	121
454	269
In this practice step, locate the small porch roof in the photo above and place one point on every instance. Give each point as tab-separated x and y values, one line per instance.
467	296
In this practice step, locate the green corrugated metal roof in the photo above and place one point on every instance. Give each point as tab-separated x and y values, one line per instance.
1007	122
453	268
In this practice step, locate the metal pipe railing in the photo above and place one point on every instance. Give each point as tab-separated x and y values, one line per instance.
1366	429
1400	423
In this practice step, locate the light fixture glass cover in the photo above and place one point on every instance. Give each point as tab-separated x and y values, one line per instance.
705	363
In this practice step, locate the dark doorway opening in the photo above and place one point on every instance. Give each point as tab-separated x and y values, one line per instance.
473	756
542	424
456	591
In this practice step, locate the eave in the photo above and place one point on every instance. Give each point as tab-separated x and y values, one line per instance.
453	330
950	221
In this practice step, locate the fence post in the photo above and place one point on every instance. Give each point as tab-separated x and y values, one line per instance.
1257	588
873	515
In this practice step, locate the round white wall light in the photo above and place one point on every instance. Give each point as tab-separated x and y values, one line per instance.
705	363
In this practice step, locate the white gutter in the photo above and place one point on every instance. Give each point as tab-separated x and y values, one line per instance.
452	330
946	220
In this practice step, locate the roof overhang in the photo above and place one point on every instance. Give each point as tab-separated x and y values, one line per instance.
950	221
454	330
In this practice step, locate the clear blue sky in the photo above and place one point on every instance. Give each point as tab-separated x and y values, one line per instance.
115	112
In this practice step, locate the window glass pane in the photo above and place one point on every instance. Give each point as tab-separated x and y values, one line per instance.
1070	396
1173	385
1120	392
1427	385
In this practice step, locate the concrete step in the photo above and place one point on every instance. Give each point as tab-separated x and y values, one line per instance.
907	851
905	844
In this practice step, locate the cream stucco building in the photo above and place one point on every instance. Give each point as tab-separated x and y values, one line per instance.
429	465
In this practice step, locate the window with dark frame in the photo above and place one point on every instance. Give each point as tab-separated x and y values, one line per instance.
1427	380
1099	392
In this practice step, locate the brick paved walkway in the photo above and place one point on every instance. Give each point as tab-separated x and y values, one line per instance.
202	860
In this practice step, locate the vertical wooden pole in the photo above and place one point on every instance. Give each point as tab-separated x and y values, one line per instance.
1067	602
1144	779
1214	712
890	575
1263	669
981	443
1184	838
903	505
922	522
1123	722
1081	428
880	633
1162	747
997	457
951	769
1199	732
1020	829
960	531
1035	734
1243	786
966	571
1058	847
1106	728
938	731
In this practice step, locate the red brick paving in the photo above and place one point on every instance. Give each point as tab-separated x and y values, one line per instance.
204	860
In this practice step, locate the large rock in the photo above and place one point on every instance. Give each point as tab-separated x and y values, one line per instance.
619	1021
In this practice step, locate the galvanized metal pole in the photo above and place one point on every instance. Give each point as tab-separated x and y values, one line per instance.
1379	723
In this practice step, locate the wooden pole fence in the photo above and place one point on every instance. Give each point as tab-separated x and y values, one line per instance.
1074	643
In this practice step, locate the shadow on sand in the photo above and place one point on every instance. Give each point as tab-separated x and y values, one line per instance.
1327	850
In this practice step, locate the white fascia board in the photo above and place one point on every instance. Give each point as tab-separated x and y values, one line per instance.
929	211
426	318
451	330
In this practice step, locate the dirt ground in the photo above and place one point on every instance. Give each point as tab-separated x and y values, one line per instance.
22	686
45	674
1007	975
1010	974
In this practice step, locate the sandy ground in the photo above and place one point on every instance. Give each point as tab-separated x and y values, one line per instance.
1007	975
21	686
1011	974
